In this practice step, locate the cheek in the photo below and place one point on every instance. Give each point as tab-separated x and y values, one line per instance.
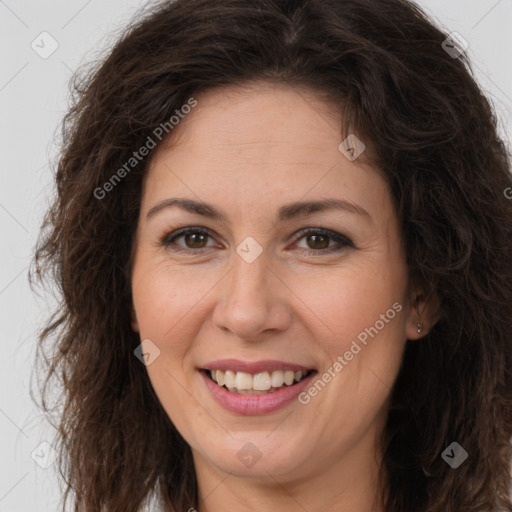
361	335
348	301
165	299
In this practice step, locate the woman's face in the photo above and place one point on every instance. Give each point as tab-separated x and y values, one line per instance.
250	293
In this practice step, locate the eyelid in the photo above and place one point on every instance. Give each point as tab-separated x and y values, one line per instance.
338	237
167	239
342	240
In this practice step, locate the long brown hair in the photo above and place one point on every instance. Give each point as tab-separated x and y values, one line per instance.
433	133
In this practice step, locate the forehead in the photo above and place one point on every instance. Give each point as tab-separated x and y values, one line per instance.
271	142
258	118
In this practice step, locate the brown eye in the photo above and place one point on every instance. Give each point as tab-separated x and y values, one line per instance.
195	240
318	241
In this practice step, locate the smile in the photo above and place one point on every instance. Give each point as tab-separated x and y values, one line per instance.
260	383
249	388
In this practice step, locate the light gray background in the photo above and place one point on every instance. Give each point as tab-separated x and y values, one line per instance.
33	99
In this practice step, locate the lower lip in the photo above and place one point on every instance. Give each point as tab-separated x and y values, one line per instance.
255	404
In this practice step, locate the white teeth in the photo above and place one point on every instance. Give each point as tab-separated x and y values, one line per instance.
229	378
277	379
243	380
257	384
288	377
261	382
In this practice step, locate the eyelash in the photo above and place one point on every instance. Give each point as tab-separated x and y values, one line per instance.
342	240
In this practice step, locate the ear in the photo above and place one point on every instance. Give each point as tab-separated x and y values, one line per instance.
133	318
423	313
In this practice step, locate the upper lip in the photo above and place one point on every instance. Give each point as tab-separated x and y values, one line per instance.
237	365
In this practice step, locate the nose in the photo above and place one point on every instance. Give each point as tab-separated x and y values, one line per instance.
253	301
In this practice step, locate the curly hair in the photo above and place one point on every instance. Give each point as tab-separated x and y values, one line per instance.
433	134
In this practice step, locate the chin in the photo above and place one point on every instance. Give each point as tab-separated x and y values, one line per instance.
256	456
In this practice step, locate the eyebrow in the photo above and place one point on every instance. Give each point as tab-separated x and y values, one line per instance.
287	212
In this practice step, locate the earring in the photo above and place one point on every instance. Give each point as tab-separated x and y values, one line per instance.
419	326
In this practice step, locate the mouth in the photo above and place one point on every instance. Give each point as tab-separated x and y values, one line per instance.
255	387
260	383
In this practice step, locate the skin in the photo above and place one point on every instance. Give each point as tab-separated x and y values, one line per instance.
248	151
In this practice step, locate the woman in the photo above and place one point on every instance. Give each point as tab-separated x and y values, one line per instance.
283	246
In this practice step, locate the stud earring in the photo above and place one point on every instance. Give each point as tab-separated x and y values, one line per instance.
419	327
